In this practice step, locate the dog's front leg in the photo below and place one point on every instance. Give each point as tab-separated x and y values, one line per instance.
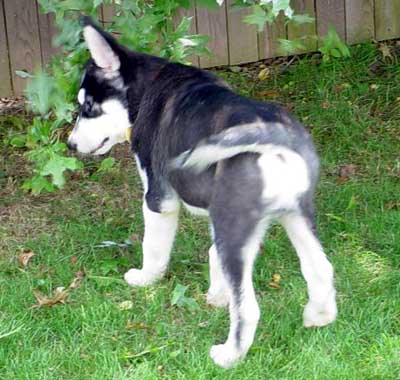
159	234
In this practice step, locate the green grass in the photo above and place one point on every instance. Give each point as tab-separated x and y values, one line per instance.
89	337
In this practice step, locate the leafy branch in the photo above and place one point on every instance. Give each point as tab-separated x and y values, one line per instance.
145	26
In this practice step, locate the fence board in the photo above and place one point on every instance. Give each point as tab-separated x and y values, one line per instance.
213	24
330	12
23	37
5	75
242	38
108	14
268	45
305	32
359	20
47	33
387	16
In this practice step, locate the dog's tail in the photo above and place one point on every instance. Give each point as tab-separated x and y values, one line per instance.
257	137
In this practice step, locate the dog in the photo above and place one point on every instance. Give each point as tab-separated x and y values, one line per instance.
241	162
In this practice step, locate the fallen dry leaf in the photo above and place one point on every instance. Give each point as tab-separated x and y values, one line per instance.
25	257
60	294
136	326
274	285
134	238
346	172
276	278
125	305
373	111
263	74
386	53
73	260
290	106
391	205
340	87
377	68
80	274
267	94
326	104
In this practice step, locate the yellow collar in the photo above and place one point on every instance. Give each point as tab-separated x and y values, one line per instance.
128	134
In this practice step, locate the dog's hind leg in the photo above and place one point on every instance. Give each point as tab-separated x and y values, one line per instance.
237	262
239	222
217	294
159	234
317	270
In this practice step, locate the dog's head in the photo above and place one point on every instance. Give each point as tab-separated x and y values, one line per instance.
103	115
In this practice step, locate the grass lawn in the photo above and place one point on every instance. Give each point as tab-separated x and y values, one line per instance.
353	114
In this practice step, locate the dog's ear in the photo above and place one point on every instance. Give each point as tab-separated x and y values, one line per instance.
101	45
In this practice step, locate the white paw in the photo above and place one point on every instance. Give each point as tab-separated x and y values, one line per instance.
317	315
137	277
225	355
220	299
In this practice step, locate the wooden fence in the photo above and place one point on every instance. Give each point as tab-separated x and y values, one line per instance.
26	34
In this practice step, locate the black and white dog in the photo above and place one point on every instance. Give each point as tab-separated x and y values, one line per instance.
242	162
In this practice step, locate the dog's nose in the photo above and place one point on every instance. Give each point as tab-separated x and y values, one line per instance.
71	145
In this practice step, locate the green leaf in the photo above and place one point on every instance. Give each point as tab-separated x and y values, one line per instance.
38	132
259	17
183	26
282	5
179	299
240	4
184	3
18	141
212	4
23	74
335	53
333	46
76	5
178	294
40	90
56	167
106	164
290	46
37	185
303	19
47	6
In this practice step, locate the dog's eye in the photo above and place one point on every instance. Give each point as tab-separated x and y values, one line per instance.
88	105
89	108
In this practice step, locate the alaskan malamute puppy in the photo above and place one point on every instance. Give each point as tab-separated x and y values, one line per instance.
242	162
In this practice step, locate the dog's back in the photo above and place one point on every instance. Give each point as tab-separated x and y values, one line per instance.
190	120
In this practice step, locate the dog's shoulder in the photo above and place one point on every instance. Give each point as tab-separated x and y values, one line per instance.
173	90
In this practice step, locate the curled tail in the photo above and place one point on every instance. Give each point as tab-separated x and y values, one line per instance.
257	137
